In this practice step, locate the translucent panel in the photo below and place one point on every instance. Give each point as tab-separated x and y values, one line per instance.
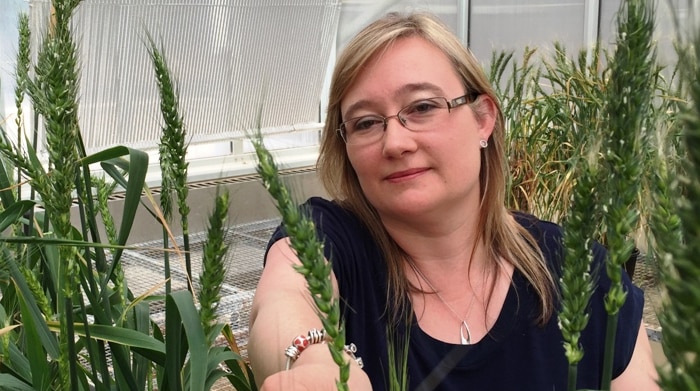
673	16
514	24
608	12
239	65
356	14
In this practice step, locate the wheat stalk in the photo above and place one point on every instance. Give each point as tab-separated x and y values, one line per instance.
677	235
173	152
628	99
213	263
309	250
55	96
577	281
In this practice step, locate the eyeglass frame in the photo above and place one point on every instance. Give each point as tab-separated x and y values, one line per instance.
451	104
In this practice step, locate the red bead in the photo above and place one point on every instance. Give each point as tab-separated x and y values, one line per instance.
301	343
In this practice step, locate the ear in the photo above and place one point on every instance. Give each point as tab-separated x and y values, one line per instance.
485	112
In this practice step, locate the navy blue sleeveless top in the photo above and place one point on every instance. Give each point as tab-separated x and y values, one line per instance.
517	354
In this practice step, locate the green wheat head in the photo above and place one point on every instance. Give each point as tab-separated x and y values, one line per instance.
14	153
22	77
55	97
677	233
628	101
173	153
577	277
102	192
629	94
172	146
213	263
302	235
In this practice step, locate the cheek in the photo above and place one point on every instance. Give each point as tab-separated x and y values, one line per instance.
365	168
360	160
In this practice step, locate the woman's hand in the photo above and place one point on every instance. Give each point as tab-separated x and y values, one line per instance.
314	377
283	309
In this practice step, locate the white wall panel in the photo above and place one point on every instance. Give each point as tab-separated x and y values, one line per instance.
515	24
232	60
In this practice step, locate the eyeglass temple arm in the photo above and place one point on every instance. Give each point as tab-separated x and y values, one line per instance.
470	97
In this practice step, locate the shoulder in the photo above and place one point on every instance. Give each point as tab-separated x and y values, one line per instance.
331	219
548	235
324	212
535	225
336	226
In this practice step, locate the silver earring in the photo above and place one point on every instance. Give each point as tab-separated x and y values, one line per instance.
483	144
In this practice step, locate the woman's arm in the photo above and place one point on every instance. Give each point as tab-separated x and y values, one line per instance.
640	374
282	310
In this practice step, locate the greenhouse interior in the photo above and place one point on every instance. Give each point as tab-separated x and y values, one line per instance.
262	67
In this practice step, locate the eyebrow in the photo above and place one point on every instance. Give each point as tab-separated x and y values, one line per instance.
405	89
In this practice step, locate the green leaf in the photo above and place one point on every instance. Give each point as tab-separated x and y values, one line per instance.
137	167
180	305
14	212
34	158
18	363
7	197
48	240
240	379
122	336
35	330
214	373
10	383
141	363
33	315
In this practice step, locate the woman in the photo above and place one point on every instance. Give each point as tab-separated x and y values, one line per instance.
420	240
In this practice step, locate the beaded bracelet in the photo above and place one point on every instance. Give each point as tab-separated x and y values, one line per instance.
314	336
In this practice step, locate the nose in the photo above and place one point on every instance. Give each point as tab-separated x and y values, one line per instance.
397	139
398	117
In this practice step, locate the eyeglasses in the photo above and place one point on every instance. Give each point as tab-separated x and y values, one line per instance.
417	116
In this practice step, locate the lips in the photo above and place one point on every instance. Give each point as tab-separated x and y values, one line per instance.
405	174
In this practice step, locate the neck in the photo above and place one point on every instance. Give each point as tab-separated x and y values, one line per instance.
452	245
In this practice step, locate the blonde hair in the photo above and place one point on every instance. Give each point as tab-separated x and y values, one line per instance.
503	235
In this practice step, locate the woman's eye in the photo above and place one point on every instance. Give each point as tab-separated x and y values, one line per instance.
422	107
367	123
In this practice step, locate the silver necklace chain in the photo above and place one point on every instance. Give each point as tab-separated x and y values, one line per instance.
464	326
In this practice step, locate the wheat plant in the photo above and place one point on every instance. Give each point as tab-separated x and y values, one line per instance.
628	98
172	154
584	135
677	230
577	281
68	320
309	249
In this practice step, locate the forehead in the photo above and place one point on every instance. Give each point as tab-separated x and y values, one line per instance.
400	69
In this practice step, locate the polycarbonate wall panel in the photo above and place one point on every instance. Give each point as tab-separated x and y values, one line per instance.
672	16
513	25
356	14
235	62
486	25
608	12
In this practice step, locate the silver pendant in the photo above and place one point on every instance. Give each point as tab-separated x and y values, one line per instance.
464	327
